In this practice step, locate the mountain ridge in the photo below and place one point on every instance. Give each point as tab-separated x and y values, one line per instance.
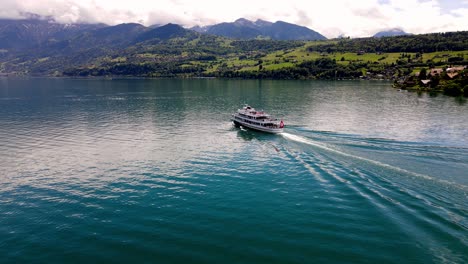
35	32
24	33
246	29
170	50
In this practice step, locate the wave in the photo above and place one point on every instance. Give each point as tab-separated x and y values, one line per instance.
420	204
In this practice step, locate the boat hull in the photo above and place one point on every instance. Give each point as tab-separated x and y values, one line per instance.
239	123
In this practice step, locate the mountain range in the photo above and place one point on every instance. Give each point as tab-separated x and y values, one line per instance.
16	35
246	29
44	47
19	34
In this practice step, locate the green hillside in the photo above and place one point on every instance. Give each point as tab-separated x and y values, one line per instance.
171	51
196	55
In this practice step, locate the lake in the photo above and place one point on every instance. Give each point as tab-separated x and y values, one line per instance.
137	170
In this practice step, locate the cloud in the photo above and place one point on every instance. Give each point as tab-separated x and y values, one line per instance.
10	9
461	12
331	17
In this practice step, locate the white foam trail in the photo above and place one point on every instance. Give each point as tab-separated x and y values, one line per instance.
311	170
387	166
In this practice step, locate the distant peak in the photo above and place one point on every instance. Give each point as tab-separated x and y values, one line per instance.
245	29
130	25
200	29
261	22
391	32
243	22
285	23
171	25
395	30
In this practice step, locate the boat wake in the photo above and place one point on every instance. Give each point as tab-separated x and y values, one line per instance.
341	153
351	168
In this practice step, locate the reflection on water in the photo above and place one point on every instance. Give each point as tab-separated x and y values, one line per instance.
153	170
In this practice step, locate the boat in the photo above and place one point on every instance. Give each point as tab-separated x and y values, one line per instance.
248	117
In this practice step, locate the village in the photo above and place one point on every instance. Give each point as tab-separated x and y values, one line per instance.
451	80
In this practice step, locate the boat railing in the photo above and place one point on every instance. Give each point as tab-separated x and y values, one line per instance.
261	121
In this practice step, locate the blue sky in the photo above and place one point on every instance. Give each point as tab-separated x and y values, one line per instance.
332	18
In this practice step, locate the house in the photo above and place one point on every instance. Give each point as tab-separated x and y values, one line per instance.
452	74
436	71
454	71
425	82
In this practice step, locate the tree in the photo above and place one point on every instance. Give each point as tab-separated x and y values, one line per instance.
452	89
423	74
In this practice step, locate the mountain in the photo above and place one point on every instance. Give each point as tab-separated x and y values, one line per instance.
43	47
108	37
262	23
30	37
200	29
245	29
285	31
39	46
26	33
164	33
391	33
119	33
239	29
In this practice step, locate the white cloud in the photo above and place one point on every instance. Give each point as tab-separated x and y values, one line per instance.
329	17
461	12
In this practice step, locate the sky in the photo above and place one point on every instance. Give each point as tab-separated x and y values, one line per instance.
331	18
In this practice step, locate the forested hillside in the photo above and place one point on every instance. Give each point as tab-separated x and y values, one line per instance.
172	51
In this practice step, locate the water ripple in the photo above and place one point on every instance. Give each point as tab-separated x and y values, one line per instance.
122	171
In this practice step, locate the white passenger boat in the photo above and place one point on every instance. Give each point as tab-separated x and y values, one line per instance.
250	118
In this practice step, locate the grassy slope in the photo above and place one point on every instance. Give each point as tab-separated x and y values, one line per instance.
290	57
186	53
283	59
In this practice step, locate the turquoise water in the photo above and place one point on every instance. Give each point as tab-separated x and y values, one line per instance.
153	171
